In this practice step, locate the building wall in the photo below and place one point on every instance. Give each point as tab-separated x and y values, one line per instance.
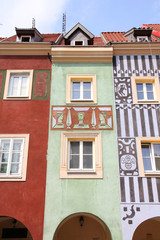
140	196
24	200
99	197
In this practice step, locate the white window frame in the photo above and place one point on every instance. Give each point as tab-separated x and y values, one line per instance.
81	78
25	36
145	38
152	156
81	157
18	73
66	138
81	91
145	91
148	79
21	175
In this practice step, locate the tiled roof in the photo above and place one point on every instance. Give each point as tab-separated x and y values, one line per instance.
114	37
155	27
97	41
50	37
46	37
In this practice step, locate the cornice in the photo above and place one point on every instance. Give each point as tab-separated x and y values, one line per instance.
92	54
25	48
138	48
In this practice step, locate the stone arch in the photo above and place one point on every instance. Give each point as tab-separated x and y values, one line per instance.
148	230
13	228
82	226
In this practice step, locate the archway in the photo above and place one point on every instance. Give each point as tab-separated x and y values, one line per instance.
148	230
82	226
11	228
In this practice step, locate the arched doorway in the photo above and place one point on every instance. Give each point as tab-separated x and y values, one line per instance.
11	228
148	230
82	226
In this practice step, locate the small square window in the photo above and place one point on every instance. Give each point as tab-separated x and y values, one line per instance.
142	38
81	155
145	89
149	155
18	84
25	38
13	156
79	43
81	88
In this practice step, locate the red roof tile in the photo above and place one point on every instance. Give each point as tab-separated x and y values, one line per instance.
156	29
50	37
97	41
10	39
114	37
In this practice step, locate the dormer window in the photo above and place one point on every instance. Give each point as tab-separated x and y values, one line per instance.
25	38
79	43
142	38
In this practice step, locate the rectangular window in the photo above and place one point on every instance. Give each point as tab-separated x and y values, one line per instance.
18	84
145	90
142	38
81	88
81	155
13	156
149	155
81	91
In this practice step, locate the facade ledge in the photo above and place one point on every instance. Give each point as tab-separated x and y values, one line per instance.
9	48
82	54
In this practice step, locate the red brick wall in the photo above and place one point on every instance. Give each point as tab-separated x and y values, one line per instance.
25	200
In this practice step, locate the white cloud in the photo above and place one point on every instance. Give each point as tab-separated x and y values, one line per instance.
19	13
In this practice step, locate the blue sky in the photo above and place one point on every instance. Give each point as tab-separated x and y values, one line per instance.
96	15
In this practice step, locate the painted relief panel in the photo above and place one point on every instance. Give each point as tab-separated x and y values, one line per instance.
123	92
41	84
127	156
82	118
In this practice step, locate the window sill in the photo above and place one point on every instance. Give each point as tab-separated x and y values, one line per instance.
147	102
152	174
17	98
81	172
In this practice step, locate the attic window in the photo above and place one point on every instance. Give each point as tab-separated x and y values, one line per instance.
78	43
25	38
142	38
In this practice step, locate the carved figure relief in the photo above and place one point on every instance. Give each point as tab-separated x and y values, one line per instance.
41	84
82	117
123	92
127	156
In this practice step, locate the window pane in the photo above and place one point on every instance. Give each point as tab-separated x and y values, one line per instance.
140	95
3	168
149	87
87	161
76	95
24	84
86	86
15	157
74	161
157	161
139	87
74	147
87	147
14	168
13	86
145	151
86	95
76	86
156	149
150	96
5	144
4	157
146	157
17	144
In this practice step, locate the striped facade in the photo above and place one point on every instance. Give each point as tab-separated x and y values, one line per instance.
140	196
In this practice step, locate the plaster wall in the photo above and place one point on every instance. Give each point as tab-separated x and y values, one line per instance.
96	196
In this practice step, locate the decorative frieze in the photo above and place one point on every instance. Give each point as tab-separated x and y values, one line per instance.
82	118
